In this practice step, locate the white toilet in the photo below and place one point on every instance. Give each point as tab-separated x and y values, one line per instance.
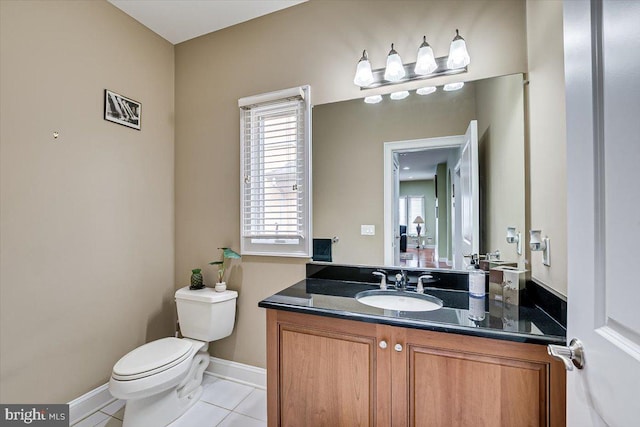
162	379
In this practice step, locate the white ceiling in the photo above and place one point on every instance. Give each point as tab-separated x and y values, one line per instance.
422	164
181	20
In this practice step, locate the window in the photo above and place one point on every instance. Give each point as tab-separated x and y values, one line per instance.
276	173
409	208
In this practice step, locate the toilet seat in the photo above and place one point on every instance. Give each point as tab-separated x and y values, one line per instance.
152	358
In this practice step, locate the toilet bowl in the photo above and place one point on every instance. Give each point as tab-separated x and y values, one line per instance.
162	379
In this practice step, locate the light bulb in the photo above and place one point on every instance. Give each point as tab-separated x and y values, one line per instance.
396	96
458	55
395	70
426	90
449	87
426	62
374	99
364	76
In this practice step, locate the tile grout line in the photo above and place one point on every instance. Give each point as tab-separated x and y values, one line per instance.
225	417
248	416
233	411
230	411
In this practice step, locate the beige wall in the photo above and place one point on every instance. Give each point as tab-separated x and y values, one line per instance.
86	266
500	107
348	176
316	43
547	152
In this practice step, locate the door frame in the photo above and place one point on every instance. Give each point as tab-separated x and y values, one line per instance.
389	204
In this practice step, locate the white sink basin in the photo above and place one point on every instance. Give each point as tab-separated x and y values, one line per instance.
399	300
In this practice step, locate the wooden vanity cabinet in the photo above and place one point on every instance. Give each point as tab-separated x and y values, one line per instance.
324	371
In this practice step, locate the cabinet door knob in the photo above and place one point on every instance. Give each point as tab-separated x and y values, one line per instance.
383	344
398	347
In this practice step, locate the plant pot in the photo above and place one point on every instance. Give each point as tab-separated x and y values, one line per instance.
221	286
197	281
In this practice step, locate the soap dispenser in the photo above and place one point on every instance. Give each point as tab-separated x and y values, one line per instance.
476	281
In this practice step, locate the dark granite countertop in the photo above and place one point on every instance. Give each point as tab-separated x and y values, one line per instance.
336	298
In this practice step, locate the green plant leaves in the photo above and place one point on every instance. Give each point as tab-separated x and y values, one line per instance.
229	253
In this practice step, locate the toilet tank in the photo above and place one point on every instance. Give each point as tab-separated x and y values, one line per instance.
204	314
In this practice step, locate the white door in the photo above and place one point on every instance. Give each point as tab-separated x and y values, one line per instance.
452	217
469	192
602	72
458	260
396	211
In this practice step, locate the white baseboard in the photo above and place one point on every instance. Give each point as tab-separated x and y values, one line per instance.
238	372
100	397
89	403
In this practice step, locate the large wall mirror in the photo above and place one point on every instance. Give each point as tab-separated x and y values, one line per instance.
427	209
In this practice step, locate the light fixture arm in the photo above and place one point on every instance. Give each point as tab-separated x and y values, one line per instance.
410	75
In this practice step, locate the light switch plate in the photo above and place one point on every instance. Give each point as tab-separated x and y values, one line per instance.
368	230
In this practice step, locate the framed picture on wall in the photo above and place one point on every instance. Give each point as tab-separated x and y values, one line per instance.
122	110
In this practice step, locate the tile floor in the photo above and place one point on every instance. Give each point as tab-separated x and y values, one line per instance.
223	404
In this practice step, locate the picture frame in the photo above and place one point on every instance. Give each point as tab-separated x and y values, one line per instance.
122	110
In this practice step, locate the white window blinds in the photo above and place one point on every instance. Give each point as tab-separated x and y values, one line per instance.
276	160
409	208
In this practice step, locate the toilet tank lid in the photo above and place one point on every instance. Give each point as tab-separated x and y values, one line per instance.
208	295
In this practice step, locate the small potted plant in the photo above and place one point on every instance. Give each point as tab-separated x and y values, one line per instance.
196	279
227	253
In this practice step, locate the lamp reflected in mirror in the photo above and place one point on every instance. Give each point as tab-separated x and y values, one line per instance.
418	221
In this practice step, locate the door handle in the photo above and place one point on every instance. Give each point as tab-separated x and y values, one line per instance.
571	355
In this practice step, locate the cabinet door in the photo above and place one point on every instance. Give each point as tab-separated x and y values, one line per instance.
325	373
456	380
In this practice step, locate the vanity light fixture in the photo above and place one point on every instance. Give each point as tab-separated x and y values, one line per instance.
514	237
363	76
396	96
458	54
426	61
427	66
450	87
374	99
426	90
394	71
538	243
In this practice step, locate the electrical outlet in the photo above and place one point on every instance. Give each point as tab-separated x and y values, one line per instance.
368	230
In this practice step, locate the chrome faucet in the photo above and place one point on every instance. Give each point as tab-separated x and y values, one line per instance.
383	278
401	280
420	288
